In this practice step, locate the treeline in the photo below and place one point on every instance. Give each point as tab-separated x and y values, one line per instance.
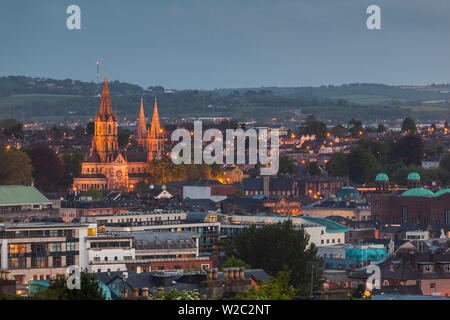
48	171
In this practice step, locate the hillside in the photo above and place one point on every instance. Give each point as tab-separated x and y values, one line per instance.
27	98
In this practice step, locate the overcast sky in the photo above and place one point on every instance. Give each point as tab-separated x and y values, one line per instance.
209	44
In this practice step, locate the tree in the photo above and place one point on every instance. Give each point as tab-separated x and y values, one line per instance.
48	168
287	165
381	128
312	168
337	166
233	262
277	288
15	168
272	247
90	289
313	127
362	165
409	126
72	167
11	127
339	131
435	148
90	128
123	137
410	150
445	163
178	295
95	194
356	127
164	170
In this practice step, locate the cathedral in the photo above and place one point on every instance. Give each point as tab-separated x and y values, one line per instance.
106	167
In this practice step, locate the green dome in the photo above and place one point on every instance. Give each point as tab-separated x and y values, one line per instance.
347	193
418	192
441	192
413	176
382	177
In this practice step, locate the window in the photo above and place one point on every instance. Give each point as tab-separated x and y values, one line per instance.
56	262
91	231
17	249
447	216
428	268
405	213
70	246
96	259
447	267
70	260
56	247
38	262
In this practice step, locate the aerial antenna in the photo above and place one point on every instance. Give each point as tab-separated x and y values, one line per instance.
98	71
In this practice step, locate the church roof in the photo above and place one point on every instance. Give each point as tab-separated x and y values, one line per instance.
136	156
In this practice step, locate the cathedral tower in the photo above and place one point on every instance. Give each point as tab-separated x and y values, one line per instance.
141	132
155	144
105	142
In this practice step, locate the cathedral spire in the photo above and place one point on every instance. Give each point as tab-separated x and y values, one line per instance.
142	127
105	104
155	129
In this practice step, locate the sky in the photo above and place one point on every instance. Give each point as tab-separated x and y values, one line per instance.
207	44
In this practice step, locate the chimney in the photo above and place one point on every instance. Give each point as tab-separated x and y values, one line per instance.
135	292
209	275
145	292
241	273
266	186
214	274
226	274
236	273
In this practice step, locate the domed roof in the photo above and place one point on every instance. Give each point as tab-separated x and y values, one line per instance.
441	192
382	177
347	193
418	192
413	176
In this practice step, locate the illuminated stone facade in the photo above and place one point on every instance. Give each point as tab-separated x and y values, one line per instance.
108	168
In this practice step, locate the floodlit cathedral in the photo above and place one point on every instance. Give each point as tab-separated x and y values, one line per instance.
106	167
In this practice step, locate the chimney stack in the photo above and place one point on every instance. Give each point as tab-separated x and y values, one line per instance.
266	186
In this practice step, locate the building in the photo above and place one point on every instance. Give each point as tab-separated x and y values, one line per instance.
428	272
356	211
106	167
38	251
316	187
271	187
233	174
416	205
431	162
207	189
74	210
24	203
320	231
145	252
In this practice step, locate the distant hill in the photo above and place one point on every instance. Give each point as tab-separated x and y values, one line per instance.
26	98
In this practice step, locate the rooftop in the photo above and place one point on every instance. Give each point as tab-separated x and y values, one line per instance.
19	195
